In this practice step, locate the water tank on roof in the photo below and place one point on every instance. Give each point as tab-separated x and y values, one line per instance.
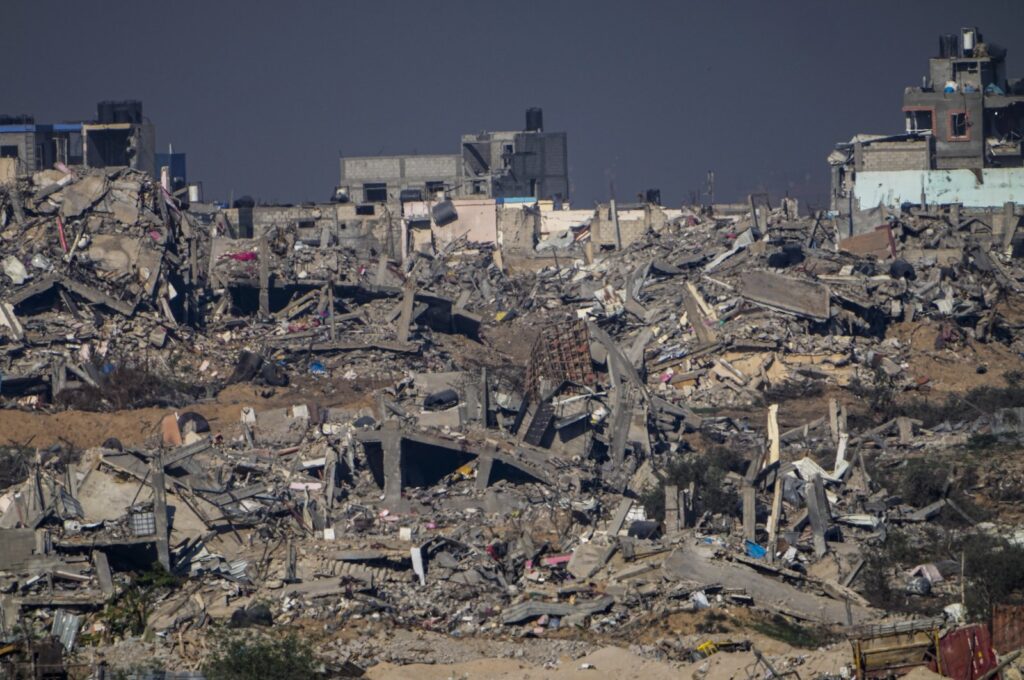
970	39
948	46
17	120
128	111
105	112
534	119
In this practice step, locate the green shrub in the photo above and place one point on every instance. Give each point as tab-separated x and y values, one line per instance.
994	569
254	657
919	482
707	472
780	628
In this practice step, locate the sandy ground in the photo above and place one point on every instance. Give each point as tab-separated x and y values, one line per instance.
84	429
616	662
969	365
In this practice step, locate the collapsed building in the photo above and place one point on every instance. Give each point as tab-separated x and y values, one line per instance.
962	146
503	421
479	491
119	136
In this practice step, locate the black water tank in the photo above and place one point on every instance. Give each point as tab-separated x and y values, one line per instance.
949	46
444	213
128	111
534	119
17	120
653	196
105	112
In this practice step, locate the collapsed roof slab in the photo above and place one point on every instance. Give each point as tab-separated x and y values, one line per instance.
402	454
787	294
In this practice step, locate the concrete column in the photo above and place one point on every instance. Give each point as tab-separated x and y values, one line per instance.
264	257
160	510
391	445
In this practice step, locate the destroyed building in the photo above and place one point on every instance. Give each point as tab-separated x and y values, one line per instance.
118	136
509	164
472	491
962	143
487	420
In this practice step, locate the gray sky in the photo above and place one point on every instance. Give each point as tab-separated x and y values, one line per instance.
263	95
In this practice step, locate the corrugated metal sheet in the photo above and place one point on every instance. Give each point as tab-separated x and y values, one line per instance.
65	628
1007	627
72	508
237	569
966	653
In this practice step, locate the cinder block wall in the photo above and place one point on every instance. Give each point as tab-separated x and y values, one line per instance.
519	229
896	156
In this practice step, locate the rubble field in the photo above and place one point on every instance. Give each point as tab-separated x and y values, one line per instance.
734	447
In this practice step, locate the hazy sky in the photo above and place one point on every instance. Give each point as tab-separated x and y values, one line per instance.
264	95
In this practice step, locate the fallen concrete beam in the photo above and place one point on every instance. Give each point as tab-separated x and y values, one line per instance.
525	611
787	294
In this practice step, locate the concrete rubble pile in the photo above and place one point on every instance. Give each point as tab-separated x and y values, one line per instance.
96	264
723	311
472	496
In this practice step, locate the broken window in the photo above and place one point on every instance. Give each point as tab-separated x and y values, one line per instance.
506	155
375	192
919	121
8	151
61	149
478	187
958	126
435	187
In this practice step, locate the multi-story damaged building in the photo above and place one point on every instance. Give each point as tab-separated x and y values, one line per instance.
510	164
119	136
962	142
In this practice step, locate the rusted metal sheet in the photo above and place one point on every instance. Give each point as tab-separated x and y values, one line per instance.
1007	627
966	653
